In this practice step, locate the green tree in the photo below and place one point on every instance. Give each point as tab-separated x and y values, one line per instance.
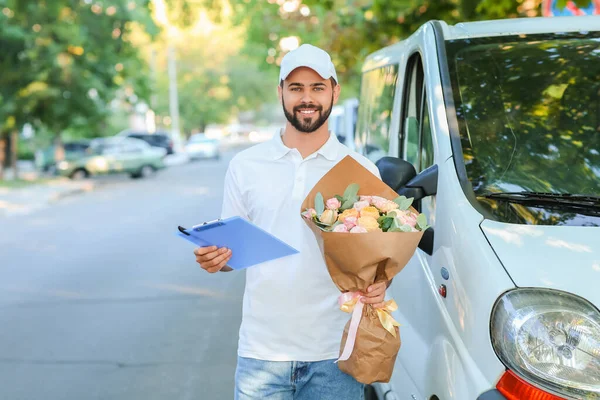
64	60
352	29
215	79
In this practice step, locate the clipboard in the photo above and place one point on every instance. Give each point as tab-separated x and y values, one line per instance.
249	244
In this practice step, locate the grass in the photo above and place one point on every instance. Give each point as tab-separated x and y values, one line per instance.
21	183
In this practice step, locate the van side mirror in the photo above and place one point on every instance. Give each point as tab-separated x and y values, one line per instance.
395	172
401	176
422	185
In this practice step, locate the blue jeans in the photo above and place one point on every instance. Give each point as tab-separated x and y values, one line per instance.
294	380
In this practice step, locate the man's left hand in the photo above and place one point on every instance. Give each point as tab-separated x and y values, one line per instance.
375	294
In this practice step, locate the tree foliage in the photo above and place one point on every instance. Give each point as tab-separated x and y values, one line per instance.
352	29
216	79
64	60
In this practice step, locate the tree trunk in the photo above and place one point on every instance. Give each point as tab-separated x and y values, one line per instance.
14	138
59	149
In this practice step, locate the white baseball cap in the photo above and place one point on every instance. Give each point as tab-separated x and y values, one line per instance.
308	56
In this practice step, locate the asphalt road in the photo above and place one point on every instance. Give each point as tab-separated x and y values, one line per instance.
100	300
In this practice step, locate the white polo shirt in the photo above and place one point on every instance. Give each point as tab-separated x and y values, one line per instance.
290	310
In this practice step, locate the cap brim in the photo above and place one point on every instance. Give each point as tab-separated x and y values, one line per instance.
323	74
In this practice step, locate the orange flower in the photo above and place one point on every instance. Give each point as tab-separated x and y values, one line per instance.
328	217
369	223
351	212
370	211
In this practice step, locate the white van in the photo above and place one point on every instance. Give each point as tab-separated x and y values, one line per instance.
342	121
494	128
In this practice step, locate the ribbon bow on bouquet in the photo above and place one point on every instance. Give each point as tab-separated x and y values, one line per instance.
350	302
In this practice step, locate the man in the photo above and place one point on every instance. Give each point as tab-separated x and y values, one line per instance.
291	326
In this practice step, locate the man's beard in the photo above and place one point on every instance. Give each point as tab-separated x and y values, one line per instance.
304	124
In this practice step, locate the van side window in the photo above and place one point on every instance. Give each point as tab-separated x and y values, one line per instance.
416	140
412	105
426	160
375	111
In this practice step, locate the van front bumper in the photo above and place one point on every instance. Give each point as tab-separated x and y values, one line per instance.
491	395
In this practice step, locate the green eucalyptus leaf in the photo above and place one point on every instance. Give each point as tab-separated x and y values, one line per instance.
320	223
402	228
323	228
340	198
387	224
422	222
403	202
351	192
347	204
406	228
319	204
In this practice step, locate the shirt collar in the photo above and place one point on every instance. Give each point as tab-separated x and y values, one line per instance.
329	150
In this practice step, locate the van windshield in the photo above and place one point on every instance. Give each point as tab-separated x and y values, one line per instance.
528	109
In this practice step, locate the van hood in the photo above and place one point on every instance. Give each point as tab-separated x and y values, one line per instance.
558	257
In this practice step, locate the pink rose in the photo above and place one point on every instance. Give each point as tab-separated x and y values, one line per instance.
379	202
358	229
366	198
309	213
340	228
359	205
388	206
410	220
377	198
333	204
350	222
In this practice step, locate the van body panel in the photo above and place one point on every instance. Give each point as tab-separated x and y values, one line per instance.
454	330
423	43
517	26
446	346
435	96
565	258
454	385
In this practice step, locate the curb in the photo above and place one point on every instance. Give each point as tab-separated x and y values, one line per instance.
35	198
84	188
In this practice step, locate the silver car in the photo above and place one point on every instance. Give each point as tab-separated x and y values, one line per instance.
199	146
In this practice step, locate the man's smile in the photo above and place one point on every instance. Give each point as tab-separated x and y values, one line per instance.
307	112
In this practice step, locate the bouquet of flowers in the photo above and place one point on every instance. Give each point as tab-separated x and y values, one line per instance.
390	231
361	214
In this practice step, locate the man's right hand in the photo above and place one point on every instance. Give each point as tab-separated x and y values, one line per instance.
212	259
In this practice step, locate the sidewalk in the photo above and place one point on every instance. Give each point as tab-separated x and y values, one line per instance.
26	199
22	200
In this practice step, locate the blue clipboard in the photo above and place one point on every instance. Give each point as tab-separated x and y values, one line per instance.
249	244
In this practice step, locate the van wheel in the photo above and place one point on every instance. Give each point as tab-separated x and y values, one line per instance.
370	393
79	174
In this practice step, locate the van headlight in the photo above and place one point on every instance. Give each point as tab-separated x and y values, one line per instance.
549	338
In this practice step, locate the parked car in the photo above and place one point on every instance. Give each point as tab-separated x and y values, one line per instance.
156	139
115	155
493	128
45	160
200	146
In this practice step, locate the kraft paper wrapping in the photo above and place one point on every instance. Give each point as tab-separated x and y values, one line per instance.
357	260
